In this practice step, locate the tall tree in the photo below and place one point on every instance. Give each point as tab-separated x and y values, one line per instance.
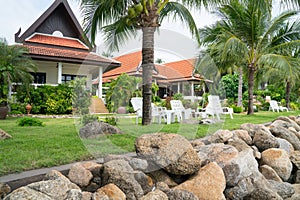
15	66
247	33
120	20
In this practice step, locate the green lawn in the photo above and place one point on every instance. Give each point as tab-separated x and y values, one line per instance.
58	142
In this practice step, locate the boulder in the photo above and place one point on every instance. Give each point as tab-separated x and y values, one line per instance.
269	173
291	122
295	158
74	194
80	175
25	193
284	133
238	143
4	190
244	135
172	152
162	176
285	145
145	181
219	153
284	189
155	195
221	136
180	195
96	129
208	183
4	135
109	191
252	128
120	173
138	164
279	160
263	139
244	165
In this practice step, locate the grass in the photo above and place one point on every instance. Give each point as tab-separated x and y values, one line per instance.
58	142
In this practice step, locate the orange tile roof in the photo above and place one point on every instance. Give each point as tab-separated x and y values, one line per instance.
57	41
81	56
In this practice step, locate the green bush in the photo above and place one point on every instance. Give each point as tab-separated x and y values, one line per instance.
237	109
30	121
111	120
88	119
294	106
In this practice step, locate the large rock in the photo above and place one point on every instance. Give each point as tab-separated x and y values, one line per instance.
180	195
295	158
221	136
244	135
285	145
219	153
4	135
80	175
155	195
172	152
109	191
269	173
263	139
289	121
238	143
279	160
285	133
162	176
240	167
56	187
95	129
208	183
252	128
120	173
284	189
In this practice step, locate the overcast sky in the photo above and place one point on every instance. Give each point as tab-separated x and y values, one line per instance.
173	43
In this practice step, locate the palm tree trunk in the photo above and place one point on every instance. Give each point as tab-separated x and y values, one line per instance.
147	65
288	93
250	88
240	88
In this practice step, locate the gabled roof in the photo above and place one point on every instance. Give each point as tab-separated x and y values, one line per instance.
58	16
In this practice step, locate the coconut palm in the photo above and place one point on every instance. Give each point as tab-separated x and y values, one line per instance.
120	20
247	33
15	66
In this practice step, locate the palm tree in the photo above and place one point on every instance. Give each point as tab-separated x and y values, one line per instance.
15	66
120	20
246	33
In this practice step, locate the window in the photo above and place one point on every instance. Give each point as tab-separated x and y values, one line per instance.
39	77
68	77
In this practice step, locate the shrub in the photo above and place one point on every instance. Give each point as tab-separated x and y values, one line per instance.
294	106
30	121
88	119
237	109
111	120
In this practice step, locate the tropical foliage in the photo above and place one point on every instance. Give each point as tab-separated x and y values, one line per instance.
247	35
15	66
121	20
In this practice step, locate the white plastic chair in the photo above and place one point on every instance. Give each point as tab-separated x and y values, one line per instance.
157	112
180	112
275	107
214	107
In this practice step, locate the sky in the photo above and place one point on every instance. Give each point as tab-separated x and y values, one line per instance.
173	42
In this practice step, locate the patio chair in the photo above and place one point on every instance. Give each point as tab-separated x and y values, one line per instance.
180	112
275	107
214	107
157	112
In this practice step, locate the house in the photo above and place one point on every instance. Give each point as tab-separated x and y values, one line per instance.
173	77
60	49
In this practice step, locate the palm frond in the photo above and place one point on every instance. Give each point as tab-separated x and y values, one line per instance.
179	11
117	33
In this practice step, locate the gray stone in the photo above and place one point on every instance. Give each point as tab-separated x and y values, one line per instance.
120	173
74	194
138	164
221	136
291	122
26	193
80	175
284	189
4	190
244	135
180	195
96	129
219	153
263	139
172	152
238	143
285	145
295	158
252	128
145	181
284	133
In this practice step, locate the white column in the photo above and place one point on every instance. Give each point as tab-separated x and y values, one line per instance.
178	87
59	72
89	82
192	92
100	93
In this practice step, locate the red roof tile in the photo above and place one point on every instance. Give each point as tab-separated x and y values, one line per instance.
57	41
66	53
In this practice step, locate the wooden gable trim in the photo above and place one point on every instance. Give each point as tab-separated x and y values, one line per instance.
32	29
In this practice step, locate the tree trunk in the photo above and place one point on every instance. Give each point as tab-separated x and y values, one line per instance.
251	69
147	65
288	93
240	88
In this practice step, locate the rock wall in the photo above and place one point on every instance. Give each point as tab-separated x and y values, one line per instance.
255	162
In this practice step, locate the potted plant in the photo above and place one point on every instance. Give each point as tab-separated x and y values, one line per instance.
15	66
